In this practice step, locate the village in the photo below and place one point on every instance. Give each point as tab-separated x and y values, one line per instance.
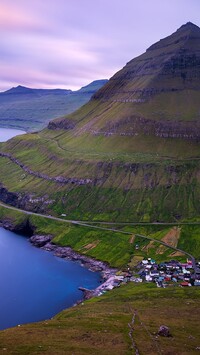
164	274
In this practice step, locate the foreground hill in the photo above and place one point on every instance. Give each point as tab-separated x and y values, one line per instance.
124	321
130	154
31	109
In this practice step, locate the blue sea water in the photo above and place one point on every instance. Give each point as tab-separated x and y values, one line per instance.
34	284
7	133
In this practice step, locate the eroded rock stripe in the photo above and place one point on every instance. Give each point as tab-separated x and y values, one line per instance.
57	179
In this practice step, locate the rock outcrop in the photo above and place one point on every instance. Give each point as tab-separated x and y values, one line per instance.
61	124
57	179
45	242
164	331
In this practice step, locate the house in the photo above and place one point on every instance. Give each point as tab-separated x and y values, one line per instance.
185	283
174	279
148	267
198	270
148	278
152	261
116	283
197	283
168	278
154	273
161	278
144	262
189	262
142	273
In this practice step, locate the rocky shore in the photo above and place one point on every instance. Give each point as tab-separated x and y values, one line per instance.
44	242
108	274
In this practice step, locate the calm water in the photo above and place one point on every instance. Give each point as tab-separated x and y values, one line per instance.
7	133
34	284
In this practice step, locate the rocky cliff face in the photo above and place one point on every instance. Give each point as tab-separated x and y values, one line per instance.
61	124
171	64
133	126
25	201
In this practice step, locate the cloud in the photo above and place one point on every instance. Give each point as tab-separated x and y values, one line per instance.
12	19
59	43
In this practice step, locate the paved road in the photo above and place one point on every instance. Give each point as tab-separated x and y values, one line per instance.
114	230
142	223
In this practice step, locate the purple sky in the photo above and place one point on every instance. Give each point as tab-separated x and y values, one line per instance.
69	43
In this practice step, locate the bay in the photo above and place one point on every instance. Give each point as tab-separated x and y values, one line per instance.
7	133
34	284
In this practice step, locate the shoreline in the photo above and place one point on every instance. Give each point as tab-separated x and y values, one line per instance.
108	274
65	252
10	132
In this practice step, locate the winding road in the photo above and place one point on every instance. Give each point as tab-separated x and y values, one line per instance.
114	230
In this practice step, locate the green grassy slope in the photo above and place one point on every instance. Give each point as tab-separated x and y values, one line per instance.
129	182
105	325
141	158
115	248
125	318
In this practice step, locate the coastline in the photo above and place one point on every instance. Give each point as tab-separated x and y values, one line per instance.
108	274
65	252
7	133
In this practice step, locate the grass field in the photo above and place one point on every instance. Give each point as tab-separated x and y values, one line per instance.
115	248
126	319
119	322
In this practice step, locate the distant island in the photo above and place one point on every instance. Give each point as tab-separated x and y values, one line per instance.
32	109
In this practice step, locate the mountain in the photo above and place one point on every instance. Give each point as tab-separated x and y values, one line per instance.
24	90
156	93
130	154
30	109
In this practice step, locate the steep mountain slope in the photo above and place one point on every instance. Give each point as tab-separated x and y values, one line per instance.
131	153
156	93
31	109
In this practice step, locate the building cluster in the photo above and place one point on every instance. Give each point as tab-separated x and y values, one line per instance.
164	274
169	272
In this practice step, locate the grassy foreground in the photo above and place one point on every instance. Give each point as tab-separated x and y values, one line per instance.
124	320
104	325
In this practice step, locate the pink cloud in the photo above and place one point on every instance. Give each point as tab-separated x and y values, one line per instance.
56	43
14	18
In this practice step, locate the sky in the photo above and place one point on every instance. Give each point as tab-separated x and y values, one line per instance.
69	43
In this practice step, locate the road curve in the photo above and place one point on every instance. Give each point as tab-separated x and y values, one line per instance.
91	225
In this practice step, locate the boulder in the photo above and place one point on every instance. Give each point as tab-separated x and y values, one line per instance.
40	240
164	331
